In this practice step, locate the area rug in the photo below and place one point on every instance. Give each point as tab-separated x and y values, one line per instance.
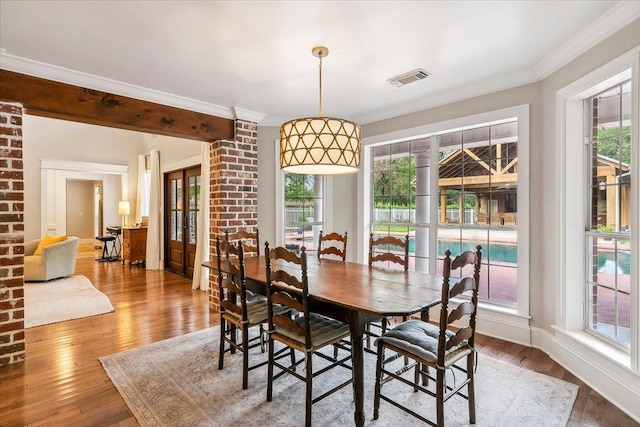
177	382
62	299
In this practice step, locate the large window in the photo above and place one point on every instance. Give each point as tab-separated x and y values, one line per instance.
608	211
474	173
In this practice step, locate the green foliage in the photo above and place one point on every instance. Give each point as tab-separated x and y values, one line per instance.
615	143
297	187
394	182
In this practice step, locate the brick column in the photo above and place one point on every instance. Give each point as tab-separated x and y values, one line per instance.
11	235
234	189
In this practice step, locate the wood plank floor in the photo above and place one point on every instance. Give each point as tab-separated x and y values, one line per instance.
62	383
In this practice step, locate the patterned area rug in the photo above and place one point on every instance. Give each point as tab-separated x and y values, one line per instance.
177	382
62	299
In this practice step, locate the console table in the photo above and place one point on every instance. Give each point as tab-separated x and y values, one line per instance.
134	245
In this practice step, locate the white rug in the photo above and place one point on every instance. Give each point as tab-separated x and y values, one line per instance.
62	299
177	382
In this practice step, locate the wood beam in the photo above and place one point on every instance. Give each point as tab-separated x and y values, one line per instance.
48	98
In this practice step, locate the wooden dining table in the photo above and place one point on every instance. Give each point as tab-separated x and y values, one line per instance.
355	294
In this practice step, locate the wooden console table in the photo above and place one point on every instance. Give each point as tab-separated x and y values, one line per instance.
134	245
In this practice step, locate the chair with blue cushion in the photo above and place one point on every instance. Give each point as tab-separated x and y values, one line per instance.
437	347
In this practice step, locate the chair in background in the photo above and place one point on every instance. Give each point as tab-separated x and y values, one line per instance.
306	333
246	237
510	219
47	259
333	248
240	310
438	347
381	250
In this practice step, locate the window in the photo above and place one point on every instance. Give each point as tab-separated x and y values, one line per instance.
608	211
599	215
475	176
303	210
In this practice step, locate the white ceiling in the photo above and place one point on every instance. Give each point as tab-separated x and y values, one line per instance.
253	58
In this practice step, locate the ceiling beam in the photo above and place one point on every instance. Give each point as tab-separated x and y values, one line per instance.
48	98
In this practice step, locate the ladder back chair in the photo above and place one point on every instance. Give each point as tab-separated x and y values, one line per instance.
307	333
437	346
240	310
247	238
335	240
380	250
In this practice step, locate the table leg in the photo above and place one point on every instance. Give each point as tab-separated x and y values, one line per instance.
357	355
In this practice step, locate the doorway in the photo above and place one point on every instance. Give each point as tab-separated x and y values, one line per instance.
182	196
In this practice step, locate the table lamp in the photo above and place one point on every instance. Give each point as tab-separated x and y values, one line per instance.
124	209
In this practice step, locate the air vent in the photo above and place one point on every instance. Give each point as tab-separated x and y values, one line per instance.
410	77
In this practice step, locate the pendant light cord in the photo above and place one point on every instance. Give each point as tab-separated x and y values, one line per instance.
320	95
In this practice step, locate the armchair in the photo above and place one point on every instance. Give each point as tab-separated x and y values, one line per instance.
57	260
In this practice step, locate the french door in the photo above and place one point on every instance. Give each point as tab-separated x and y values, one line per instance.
182	202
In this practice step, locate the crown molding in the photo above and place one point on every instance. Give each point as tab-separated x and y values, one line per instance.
248	115
609	23
64	75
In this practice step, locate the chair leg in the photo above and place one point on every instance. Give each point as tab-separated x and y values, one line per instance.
233	338
471	390
309	391
379	365
440	396
245	357
222	333
270	370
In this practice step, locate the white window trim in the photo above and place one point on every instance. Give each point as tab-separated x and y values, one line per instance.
570	303
327	198
493	320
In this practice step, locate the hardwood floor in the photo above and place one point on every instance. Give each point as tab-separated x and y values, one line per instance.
62	383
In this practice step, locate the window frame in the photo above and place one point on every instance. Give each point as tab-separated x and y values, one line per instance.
516	317
571	201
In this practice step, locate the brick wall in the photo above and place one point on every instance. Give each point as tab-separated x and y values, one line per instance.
12	348
234	189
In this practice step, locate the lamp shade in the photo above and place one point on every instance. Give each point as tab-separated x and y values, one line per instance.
124	208
320	146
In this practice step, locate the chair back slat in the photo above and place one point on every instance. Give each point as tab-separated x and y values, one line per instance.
286	278
231	285
228	266
376	255
246	238
284	298
228	306
462	335
334	239
465	310
461	287
285	322
284	254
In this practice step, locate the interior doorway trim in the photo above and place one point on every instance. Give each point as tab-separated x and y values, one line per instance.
72	170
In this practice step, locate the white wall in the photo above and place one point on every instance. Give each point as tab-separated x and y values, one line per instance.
50	139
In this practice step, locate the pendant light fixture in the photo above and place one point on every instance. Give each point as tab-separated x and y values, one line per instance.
320	145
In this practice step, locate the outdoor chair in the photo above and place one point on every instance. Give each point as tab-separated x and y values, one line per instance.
307	333
437	346
336	240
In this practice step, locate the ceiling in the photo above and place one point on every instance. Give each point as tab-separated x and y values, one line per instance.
252	59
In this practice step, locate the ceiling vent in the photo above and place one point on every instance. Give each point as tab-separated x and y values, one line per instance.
410	77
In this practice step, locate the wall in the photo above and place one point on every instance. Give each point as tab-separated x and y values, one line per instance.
49	139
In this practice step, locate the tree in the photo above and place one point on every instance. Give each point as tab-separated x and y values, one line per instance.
615	143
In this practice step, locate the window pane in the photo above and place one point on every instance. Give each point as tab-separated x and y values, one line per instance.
303	211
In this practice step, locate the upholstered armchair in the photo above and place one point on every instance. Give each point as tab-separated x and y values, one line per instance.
56	260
